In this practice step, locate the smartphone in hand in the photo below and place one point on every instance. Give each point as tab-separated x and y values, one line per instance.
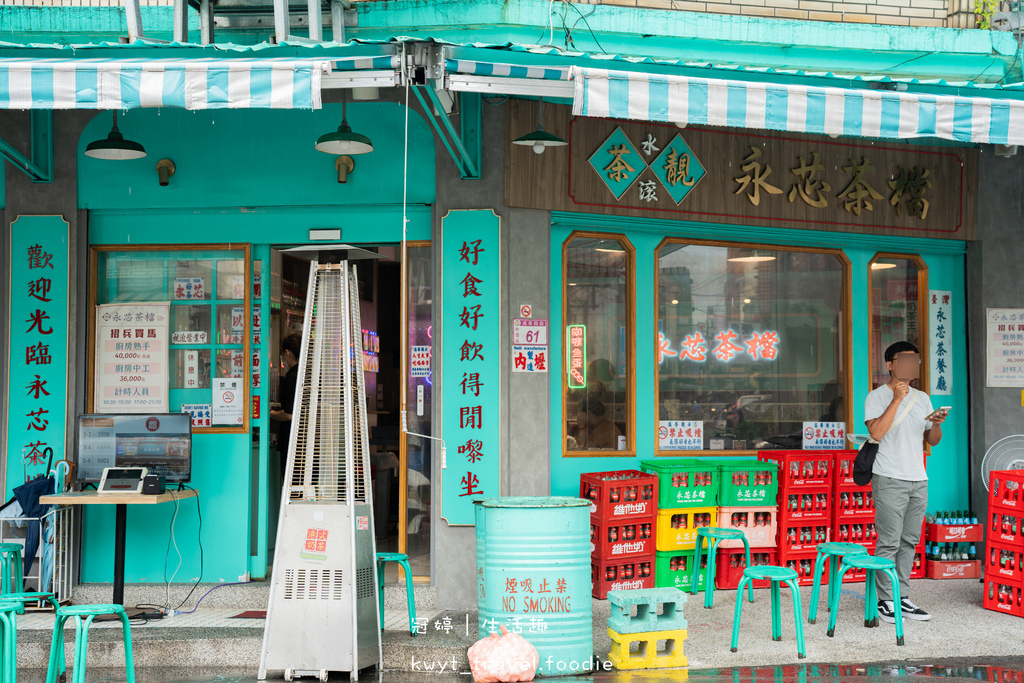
943	410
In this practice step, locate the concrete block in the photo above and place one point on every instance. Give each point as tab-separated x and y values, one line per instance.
647	617
647	655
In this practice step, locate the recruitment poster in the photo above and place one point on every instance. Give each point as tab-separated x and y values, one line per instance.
1005	357
131	358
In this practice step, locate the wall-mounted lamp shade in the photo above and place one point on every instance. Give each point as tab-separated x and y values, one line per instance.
115	147
344	141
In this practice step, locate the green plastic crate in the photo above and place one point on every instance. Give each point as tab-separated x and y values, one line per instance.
678	482
667	577
746	481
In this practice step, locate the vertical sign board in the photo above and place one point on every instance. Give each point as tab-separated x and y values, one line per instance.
37	359
940	325
471	371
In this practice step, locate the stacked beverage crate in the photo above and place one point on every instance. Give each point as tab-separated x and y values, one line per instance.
622	518
1004	556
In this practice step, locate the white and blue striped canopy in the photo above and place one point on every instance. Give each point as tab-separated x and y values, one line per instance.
550	73
796	108
182	83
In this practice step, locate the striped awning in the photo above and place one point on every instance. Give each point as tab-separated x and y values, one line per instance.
796	108
181	83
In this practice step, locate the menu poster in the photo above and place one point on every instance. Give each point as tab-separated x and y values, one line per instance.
228	397
131	358
1005	357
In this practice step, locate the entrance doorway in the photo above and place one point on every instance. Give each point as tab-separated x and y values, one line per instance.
400	463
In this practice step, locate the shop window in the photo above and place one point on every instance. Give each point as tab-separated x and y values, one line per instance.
598	382
205	342
750	345
898	284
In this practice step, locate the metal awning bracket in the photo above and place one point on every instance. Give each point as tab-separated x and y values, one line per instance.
40	166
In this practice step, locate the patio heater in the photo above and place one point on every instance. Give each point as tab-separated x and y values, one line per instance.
322	614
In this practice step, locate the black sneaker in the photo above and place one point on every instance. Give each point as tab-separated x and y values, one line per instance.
912	611
886	611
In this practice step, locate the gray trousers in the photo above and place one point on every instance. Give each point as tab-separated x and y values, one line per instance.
899	510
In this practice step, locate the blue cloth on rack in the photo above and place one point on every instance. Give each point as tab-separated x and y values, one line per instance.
28	496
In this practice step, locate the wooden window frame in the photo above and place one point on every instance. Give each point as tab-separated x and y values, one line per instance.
845	335
922	316
94	254
630	323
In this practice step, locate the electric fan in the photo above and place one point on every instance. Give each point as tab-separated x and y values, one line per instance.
1005	454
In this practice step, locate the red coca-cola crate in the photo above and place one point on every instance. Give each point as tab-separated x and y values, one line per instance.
859	531
997	674
1004	562
729	566
957	533
1005	526
858	503
759	524
1001	596
803	536
803	565
965	569
805	503
801	468
844	469
620	494
1006	490
621	575
623	538
919	569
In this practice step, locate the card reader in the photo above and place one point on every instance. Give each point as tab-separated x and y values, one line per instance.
121	480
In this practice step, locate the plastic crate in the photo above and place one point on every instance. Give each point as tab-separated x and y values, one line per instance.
619	495
1005	563
855	504
805	503
623	538
963	569
919	569
803	565
746	482
854	531
675	570
844	468
1006	490
684	482
621	575
801	468
803	536
1005	526
677	529
729	566
962	533
1001	596
759	524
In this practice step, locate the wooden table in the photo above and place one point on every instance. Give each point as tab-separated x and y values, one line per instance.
122	501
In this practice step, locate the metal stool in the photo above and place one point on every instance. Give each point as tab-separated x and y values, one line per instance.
76	612
403	560
778	576
715	535
12	580
870	564
835	551
9	609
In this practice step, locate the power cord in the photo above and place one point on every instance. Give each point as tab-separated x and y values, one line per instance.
199	536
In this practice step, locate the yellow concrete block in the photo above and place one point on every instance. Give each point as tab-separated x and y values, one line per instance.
647	655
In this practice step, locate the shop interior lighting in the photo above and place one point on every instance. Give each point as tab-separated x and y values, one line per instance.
343	140
753	257
540	139
115	147
882	266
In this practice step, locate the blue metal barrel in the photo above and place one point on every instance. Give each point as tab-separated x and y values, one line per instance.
533	576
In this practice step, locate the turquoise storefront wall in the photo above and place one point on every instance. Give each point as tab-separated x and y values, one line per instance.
948	465
242	176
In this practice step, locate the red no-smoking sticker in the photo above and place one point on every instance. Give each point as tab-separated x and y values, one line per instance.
228	397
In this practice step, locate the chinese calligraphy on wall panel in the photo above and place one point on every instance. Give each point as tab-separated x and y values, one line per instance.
472	328
745	177
38	336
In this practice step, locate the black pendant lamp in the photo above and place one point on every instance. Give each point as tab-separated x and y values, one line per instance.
115	147
343	140
540	139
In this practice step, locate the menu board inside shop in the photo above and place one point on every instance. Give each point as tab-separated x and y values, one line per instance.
131	374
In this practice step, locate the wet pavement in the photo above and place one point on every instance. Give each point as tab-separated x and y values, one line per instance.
1008	670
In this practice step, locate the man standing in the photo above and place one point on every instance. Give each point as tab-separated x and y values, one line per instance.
899	482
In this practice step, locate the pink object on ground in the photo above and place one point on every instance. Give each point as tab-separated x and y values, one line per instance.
503	659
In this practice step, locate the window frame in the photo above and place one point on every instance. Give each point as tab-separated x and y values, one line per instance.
630	324
845	336
94	254
922	315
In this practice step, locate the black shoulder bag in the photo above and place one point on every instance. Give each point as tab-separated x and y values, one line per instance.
864	463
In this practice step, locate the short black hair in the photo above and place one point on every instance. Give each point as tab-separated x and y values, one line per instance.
898	347
293	343
592	404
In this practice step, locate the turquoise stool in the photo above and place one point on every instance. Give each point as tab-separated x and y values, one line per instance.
89	612
870	564
778	576
9	611
715	535
403	560
835	551
11	566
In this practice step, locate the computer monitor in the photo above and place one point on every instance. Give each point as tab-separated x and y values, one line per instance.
161	443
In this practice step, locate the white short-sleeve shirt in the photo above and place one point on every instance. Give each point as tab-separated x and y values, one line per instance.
901	451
